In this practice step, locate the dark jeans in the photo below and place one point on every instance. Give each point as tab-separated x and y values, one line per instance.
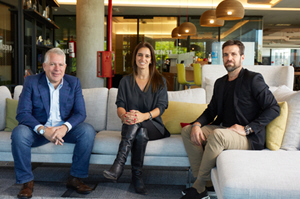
23	138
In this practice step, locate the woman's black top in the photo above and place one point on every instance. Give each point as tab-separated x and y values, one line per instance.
131	97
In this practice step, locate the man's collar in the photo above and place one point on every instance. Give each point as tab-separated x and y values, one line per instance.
50	84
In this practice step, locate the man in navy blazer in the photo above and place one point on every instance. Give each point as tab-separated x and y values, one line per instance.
236	118
51	109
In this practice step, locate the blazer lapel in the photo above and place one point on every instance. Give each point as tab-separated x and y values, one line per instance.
63	96
44	92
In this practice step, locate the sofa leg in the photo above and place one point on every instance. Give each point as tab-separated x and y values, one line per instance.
189	178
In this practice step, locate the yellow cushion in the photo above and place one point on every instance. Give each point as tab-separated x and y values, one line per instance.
181	112
11	112
275	129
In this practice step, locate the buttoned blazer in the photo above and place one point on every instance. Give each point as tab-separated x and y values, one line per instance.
254	105
34	101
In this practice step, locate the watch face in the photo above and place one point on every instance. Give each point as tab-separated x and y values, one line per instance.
42	131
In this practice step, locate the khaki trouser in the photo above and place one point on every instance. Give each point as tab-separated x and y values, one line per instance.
203	160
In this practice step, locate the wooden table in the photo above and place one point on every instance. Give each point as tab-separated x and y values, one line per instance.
297	73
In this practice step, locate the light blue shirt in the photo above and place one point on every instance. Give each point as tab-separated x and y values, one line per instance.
54	116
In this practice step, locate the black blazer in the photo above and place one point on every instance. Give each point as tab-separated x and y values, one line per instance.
254	105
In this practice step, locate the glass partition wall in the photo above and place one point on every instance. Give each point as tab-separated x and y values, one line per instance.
127	32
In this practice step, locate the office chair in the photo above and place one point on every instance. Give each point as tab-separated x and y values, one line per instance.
181	77
197	74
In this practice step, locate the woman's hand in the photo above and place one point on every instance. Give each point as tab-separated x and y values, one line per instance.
134	117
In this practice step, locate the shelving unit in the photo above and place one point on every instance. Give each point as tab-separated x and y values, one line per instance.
34	25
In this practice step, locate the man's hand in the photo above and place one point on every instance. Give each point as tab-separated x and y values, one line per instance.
55	134
49	133
59	134
197	135
238	129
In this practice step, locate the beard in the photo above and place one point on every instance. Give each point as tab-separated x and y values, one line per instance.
231	68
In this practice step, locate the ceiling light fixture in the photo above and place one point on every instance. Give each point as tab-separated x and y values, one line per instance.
187	28
175	33
209	19
230	10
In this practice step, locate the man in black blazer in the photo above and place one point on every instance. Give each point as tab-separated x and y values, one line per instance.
241	107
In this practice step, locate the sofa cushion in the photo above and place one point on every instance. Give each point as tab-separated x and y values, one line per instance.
96	107
17	91
209	87
5	93
107	142
257	174
275	129
291	138
195	95
11	113
113	121
181	112
50	148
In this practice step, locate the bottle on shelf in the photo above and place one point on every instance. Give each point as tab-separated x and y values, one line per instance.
209	59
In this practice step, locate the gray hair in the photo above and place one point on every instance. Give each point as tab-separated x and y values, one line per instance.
57	51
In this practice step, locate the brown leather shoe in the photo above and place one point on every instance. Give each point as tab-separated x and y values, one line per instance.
78	185
26	190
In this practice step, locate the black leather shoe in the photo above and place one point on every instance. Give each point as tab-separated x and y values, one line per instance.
78	185
26	190
192	193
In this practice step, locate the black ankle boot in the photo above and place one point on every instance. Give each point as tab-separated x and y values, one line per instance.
128	136
137	159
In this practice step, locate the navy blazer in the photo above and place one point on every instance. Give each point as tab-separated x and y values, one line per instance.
34	101
254	105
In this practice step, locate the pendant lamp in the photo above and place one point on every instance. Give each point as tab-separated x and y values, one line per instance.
230	10
175	34
187	29
209	19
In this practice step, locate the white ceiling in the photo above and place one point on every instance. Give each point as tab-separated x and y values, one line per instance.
275	35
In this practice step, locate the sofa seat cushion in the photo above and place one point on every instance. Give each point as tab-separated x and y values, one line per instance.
257	174
50	148
107	142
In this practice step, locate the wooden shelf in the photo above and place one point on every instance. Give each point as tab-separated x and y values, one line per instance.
34	14
52	3
44	47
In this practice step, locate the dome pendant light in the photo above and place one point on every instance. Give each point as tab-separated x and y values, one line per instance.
175	34
187	28
230	10
209	19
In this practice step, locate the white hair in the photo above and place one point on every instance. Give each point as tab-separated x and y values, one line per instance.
57	51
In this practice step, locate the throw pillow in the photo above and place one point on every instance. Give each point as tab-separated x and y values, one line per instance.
181	112
291	138
11	112
275	129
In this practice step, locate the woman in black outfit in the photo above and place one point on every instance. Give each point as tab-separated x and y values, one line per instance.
142	99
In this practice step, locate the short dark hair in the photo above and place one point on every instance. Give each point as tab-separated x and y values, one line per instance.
235	42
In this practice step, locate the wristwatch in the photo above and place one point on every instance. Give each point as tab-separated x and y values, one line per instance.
150	118
42	131
248	129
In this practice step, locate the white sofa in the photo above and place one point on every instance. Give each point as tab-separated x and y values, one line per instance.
238	174
261	174
102	114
